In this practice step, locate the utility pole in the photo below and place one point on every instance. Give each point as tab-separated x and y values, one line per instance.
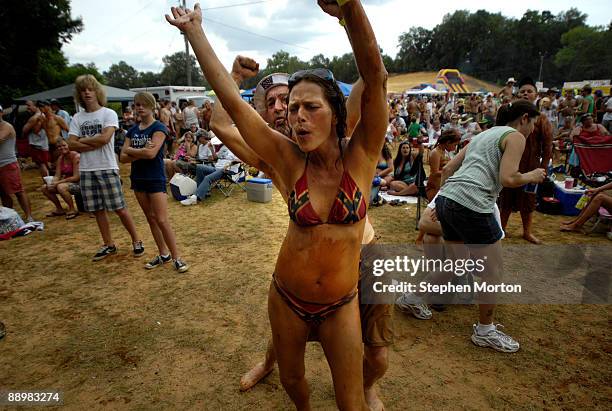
541	63
187	59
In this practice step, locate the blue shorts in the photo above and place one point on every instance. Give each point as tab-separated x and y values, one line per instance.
459	223
148	186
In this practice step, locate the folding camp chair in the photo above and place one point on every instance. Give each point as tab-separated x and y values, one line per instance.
234	176
595	156
602	217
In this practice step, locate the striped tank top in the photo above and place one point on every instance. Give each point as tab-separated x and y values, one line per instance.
477	184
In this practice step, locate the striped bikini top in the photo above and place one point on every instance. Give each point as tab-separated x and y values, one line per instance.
349	205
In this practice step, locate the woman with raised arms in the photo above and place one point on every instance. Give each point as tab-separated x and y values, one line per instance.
316	274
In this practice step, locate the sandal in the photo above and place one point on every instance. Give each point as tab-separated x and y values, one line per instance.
71	215
55	214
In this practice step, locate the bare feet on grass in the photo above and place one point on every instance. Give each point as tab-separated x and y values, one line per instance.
532	238
570	227
254	375
373	401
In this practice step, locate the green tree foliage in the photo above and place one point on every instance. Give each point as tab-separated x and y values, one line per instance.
586	52
174	72
491	46
122	75
28	28
149	79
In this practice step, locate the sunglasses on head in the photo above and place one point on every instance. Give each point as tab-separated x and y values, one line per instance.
322	73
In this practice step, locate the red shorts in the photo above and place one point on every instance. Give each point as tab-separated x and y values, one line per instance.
10	179
39	156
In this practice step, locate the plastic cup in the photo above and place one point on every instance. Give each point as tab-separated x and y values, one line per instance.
569	183
48	180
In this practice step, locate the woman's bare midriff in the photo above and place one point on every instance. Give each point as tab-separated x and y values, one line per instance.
320	263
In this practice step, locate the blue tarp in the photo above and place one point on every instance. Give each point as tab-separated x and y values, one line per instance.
346	88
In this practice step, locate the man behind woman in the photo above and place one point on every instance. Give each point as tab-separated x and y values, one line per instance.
309	289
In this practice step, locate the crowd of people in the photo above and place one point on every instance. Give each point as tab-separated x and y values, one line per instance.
329	157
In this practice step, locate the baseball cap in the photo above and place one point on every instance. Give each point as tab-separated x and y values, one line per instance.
267	83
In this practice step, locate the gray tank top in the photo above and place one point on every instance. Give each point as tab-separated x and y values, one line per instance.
7	152
476	184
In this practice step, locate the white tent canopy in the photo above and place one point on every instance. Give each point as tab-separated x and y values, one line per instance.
427	90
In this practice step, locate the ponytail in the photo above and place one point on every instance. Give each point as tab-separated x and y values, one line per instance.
512	111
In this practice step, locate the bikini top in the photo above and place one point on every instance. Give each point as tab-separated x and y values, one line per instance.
349	205
382	165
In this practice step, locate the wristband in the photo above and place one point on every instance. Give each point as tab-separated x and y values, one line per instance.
342	22
342	2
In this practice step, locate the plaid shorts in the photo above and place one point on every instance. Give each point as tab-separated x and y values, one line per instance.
101	190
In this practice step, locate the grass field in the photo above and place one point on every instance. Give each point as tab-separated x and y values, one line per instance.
112	335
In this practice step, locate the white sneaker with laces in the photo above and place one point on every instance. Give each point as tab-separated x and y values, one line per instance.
191	200
495	339
411	304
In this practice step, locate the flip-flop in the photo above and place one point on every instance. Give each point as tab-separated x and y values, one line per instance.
55	214
70	216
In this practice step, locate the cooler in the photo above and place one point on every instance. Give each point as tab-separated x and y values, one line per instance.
259	190
568	198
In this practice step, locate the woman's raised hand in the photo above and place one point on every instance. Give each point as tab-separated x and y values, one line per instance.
185	19
330	7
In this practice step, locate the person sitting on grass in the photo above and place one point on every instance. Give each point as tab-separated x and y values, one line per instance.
600	198
185	152
65	182
384	173
403	176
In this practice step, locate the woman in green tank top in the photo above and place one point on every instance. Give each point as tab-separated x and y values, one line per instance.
466	200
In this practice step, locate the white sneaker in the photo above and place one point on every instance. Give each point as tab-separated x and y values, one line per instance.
411	304
191	200
495	339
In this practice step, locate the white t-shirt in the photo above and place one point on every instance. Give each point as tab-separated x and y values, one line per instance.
86	124
226	158
204	152
608	116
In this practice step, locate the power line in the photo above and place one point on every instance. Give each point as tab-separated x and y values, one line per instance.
237	5
255	34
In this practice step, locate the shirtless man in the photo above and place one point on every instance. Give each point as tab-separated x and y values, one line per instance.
412	107
165	116
473	105
271	102
37	138
508	89
422	106
53	125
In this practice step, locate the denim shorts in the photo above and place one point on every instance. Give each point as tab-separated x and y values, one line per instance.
148	186
459	223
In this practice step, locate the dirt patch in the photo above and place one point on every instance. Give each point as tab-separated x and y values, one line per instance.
113	335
